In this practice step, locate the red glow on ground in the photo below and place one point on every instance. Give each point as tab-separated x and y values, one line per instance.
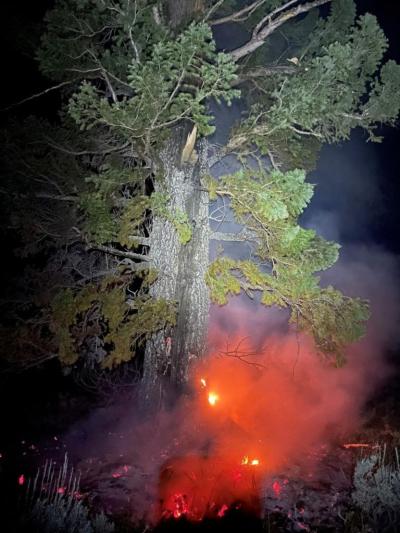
276	487
358	445
196	487
222	511
21	479
270	415
121	471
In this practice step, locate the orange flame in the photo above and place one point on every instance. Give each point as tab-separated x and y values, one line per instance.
253	462
213	398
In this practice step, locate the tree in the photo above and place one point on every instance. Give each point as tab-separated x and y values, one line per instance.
113	200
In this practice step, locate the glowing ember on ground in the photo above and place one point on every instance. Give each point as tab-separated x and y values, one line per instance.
121	471
358	445
223	510
276	487
203	382
21	479
213	398
181	505
255	462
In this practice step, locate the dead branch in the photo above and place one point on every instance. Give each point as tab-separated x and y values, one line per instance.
242	355
271	22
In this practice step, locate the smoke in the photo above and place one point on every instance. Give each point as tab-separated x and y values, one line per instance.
275	398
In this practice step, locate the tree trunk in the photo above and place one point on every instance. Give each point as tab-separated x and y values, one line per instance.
189	337
182	11
181	272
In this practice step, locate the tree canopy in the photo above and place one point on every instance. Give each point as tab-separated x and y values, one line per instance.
137	78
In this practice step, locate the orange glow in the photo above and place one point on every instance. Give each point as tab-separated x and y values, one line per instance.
213	398
246	461
358	445
266	417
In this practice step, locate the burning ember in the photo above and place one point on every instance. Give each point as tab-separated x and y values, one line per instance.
203	382
246	461
200	487
359	445
213	398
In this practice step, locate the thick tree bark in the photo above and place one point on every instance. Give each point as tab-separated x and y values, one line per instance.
181	11
181	272
189	337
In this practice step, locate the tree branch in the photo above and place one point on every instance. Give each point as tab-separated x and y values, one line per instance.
86	152
143	241
238	16
37	95
242	236
271	22
118	253
262	72
57	197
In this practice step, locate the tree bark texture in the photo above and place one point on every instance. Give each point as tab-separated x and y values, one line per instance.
181	11
181	271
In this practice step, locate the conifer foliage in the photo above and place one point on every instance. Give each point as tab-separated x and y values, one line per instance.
89	185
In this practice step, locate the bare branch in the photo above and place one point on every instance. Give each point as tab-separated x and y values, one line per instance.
272	22
212	10
242	236
37	95
242	355
143	241
238	16
86	152
119	253
262	72
57	197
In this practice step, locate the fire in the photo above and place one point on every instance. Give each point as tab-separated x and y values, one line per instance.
252	462
260	423
276	487
198	487
213	398
181	506
223	510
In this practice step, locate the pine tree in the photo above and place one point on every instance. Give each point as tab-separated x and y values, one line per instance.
112	201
